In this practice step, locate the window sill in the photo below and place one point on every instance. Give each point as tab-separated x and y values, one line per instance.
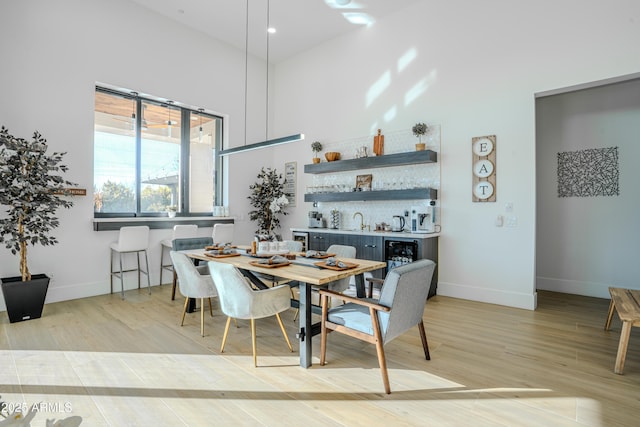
108	224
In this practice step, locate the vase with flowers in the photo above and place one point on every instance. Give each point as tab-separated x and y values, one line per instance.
419	129
268	200
316	147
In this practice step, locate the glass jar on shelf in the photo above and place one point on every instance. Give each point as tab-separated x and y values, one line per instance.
334	219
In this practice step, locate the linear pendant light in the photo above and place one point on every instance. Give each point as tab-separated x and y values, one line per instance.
267	142
263	144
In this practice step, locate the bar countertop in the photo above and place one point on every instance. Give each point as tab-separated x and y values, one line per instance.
385	234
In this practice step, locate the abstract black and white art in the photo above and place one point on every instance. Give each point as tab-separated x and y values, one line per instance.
588	173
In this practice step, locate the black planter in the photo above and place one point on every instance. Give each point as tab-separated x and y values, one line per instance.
24	300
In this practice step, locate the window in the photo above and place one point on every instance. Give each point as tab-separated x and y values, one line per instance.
150	155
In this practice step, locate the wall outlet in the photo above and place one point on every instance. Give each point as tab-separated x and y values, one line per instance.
512	221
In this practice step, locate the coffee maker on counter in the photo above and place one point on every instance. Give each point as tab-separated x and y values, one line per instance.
316	220
423	218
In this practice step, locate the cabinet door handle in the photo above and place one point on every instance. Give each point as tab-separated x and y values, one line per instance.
370	246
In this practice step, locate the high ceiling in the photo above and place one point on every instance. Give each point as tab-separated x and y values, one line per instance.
299	24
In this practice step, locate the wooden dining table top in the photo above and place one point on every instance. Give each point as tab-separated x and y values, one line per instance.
301	269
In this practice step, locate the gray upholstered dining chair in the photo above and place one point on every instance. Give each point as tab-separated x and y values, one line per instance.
401	306
341	251
180	231
238	300
193	284
186	243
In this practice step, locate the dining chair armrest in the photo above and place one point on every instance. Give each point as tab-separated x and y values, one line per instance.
358	301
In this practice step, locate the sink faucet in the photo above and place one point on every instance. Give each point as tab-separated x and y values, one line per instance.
361	220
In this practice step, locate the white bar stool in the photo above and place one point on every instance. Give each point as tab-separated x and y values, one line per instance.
185	231
134	239
222	234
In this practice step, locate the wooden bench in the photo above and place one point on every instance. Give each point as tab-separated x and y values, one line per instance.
627	303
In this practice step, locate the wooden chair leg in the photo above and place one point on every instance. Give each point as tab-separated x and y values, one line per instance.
382	361
210	307
184	311
323	334
202	317
173	286
226	332
284	332
423	336
612	309
253	342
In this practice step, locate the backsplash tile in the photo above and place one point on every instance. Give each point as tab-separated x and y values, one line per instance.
394	177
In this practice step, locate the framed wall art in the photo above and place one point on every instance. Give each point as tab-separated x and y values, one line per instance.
363	182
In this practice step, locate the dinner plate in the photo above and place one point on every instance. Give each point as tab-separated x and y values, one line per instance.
221	255
304	254
323	264
259	264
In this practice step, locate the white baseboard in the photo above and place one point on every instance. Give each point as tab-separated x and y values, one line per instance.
492	296
576	287
57	293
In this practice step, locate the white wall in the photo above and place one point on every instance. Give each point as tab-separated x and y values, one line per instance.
473	68
53	54
476	67
586	244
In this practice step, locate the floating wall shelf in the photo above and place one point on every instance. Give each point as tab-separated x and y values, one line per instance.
413	194
398	159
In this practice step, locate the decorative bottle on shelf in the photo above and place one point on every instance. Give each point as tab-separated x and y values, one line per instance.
378	144
335	219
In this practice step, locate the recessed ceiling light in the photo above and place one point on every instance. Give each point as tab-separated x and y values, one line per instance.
271	30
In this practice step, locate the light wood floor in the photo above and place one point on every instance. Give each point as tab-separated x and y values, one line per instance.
129	363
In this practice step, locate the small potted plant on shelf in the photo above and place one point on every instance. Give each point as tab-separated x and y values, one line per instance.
316	147
171	211
31	190
419	129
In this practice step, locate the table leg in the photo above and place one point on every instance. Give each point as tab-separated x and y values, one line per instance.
360	291
622	347
609	315
305	334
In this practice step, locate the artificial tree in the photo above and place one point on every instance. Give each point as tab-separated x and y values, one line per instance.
268	198
31	191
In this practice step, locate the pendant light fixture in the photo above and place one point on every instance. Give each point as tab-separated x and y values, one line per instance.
134	101
267	142
200	110
169	123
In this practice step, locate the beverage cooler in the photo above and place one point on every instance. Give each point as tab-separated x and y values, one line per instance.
399	252
303	237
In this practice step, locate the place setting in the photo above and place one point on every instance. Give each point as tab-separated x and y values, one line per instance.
221	251
333	263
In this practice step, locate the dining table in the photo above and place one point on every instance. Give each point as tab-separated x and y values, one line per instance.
308	272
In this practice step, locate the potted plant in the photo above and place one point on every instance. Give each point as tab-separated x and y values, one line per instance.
171	211
268	199
31	190
419	129
316	147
